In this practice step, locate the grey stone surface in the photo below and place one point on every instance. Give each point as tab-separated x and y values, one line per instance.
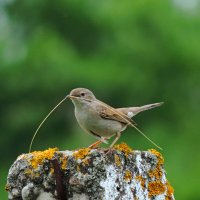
121	174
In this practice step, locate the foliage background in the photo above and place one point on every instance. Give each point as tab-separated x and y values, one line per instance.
127	52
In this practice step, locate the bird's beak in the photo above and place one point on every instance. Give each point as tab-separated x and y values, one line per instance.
70	97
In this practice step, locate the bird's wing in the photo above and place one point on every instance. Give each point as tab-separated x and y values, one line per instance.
108	112
132	111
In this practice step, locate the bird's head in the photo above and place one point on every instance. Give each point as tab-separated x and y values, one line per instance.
81	95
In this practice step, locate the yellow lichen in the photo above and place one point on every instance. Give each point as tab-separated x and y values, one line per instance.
117	160
168	198
128	176
32	173
81	153
170	191
158	155
156	173
78	169
63	161
124	148
7	187
51	170
156	188
85	161
142	180
39	156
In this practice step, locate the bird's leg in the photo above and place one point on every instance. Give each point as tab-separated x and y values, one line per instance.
96	143
115	140
113	143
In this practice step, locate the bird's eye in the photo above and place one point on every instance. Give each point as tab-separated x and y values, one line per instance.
82	94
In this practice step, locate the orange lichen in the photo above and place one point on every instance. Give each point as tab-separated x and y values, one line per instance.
156	188
170	191
7	187
158	155
81	153
156	173
168	198
39	156
63	161
142	180
124	148
128	176
117	160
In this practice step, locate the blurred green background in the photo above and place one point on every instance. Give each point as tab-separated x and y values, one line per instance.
127	52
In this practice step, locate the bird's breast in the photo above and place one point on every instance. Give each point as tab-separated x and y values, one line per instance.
90	120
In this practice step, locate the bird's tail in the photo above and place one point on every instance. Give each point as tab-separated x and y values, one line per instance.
132	111
149	106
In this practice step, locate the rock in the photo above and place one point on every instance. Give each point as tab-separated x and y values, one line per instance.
89	174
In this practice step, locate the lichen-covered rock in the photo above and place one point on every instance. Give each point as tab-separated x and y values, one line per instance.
89	174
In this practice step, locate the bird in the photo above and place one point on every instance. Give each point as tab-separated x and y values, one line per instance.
100	119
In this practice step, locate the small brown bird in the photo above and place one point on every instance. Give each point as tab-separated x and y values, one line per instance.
102	120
